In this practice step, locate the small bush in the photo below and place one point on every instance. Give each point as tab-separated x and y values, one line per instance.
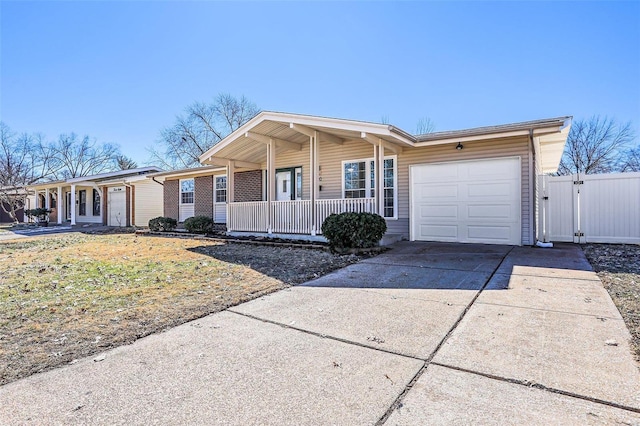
164	224
199	224
353	230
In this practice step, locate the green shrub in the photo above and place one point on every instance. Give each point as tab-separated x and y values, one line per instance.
353	230
162	223
199	224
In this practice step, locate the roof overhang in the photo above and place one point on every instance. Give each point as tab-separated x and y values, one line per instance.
549	136
185	173
246	146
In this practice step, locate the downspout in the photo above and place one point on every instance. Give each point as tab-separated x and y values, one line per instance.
532	194
154	179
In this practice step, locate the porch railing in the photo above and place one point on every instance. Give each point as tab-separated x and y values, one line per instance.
324	208
248	216
290	217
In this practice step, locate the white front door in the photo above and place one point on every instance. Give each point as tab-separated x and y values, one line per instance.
283	186
467	201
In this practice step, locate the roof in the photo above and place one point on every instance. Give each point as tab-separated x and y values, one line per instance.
476	131
99	178
190	172
247	145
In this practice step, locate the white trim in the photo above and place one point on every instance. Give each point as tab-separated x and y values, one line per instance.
367	162
180	191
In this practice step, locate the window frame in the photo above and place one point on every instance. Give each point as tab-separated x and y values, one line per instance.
96	202
181	192
82	202
216	189
368	187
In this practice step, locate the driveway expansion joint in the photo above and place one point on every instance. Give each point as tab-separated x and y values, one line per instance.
600	317
539	386
429	360
325	336
425	267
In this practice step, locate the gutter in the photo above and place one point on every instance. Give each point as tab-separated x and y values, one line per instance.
153	178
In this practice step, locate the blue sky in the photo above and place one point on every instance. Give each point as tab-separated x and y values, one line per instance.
120	71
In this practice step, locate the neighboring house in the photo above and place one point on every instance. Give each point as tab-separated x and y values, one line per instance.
121	198
285	173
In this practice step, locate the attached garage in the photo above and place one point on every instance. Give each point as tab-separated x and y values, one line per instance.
476	201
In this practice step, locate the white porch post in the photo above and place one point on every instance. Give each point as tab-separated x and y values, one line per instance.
59	205
46	198
231	190
271	182
313	175
379	164
73	204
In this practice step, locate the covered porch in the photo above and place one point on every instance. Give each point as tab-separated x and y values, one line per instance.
305	175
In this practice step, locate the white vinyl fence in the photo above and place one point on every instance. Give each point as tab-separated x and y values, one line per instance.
590	208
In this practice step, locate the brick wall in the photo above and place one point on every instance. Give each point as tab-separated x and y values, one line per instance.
171	198
203	196
248	186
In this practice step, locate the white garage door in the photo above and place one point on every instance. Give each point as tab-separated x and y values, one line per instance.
117	206
467	201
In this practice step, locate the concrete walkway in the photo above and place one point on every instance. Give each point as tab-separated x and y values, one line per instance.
424	334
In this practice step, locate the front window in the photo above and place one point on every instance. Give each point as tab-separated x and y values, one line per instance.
355	181
221	189
186	191
96	202
82	209
359	181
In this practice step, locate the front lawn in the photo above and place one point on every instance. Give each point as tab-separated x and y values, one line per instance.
67	296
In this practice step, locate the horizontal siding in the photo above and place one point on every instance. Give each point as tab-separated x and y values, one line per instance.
148	202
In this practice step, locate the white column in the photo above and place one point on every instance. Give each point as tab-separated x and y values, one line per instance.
379	162
73	204
59	205
46	199
313	167
271	181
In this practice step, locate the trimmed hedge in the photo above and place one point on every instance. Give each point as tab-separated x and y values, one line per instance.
164	224
353	230
199	224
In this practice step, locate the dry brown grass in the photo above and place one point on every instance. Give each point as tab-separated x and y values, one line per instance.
66	296
618	266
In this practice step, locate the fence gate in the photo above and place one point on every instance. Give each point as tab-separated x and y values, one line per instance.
590	208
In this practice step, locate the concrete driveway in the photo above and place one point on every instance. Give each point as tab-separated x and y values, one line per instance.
426	333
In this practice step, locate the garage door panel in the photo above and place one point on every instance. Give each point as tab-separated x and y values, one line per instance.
438	173
491	211
467	201
428	192
486	233
495	189
450	232
439	211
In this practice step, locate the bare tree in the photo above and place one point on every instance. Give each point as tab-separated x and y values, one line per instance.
125	163
21	163
74	157
200	127
425	125
631	162
384	119
595	146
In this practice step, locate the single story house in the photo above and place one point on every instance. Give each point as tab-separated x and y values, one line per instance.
283	174
120	198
